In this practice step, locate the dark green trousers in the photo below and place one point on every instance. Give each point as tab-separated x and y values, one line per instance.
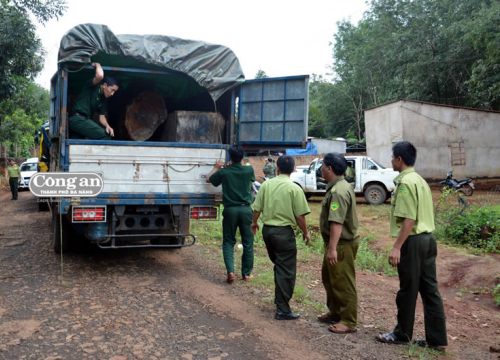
87	128
14	185
417	274
235	217
339	281
282	250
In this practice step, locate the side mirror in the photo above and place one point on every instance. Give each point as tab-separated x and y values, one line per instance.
373	167
306	171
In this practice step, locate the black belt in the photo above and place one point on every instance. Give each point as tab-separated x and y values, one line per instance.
80	114
278	226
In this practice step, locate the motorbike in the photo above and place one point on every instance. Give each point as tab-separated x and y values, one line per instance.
466	186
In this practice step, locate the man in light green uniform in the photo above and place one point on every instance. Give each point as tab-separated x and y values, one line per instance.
339	229
283	205
236	180
14	175
92	100
414	253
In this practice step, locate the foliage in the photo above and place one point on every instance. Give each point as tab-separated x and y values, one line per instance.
21	115
444	51
472	227
496	294
21	50
368	260
261	74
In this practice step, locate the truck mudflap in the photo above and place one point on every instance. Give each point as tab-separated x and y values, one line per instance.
173	241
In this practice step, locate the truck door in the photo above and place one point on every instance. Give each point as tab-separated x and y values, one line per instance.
273	113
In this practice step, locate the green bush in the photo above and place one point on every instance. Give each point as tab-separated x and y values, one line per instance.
496	294
472	227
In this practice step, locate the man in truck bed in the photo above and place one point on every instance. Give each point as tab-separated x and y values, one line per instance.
92	100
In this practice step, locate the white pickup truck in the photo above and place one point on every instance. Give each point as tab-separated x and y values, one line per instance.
371	179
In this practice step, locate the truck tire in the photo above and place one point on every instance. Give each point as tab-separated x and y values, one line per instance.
375	194
60	233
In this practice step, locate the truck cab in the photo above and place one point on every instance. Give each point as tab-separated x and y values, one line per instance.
370	179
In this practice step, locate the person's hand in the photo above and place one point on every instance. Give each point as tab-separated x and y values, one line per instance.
331	256
255	227
110	131
307	238
394	257
219	164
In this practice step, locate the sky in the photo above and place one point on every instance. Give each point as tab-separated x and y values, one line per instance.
281	37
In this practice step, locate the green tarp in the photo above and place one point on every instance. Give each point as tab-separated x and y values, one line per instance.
214	67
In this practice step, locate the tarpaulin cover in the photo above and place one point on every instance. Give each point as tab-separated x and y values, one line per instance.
214	67
311	149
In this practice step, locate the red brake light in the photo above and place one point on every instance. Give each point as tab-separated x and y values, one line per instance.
89	214
205	212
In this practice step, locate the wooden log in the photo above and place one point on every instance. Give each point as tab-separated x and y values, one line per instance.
146	113
194	127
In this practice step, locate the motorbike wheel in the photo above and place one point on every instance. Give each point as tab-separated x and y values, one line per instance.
467	190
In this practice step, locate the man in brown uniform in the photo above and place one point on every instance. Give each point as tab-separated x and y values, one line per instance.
339	229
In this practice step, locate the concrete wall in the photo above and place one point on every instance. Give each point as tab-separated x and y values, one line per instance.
463	140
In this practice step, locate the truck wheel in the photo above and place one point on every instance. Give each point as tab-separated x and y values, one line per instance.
375	194
60	227
466	190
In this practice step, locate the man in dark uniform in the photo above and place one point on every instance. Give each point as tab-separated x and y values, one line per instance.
90	101
339	229
236	180
283	205
14	175
269	169
414	253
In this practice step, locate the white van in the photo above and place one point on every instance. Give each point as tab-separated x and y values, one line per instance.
28	169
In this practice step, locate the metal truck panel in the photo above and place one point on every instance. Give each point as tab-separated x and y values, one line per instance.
146	169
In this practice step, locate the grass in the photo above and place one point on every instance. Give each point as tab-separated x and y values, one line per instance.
209	234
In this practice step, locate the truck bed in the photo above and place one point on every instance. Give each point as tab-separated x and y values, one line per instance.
136	169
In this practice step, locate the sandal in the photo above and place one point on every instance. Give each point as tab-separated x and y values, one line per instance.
340	328
230	278
328	318
389	338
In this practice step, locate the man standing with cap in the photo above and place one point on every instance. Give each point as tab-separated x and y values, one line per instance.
283	205
414	254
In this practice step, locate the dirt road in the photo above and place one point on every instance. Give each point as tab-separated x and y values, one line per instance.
155	304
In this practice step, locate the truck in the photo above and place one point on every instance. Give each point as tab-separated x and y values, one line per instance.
370	180
155	185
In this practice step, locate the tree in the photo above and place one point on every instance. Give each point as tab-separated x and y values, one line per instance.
261	74
22	115
21	50
441	51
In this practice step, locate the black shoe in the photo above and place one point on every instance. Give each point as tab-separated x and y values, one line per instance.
286	316
423	343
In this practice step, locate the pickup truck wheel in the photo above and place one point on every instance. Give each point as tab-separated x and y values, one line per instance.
375	194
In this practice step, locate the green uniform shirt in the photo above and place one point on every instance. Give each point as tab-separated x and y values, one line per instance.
339	205
13	171
412	199
280	201
236	181
90	101
269	170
